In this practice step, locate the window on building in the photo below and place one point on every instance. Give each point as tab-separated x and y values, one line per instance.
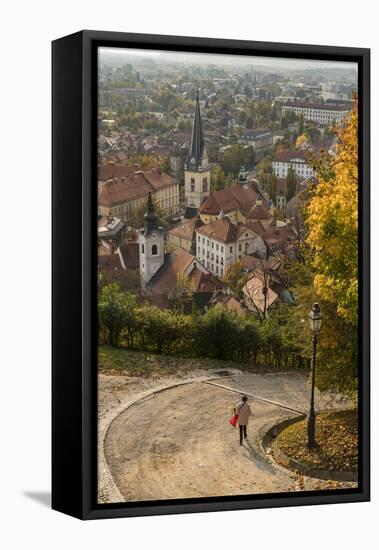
143	249
231	250
154	250
205	185
240	247
192	187
213	244
222	249
216	246
222	261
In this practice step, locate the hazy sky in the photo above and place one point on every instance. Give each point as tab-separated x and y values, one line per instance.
200	59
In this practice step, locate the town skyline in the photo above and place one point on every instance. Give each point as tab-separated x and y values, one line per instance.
261	62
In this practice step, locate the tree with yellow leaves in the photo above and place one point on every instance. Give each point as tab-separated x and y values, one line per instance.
332	221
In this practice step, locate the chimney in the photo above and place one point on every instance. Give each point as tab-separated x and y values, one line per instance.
122	179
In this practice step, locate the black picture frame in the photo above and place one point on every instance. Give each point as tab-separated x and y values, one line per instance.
74	369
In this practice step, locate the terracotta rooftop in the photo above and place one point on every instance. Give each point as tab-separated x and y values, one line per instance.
258	212
293	156
165	278
221	230
106	172
186	228
254	290
133	186
229	199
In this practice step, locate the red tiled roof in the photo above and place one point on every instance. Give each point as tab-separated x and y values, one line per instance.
259	212
165	278
254	289
134	186
256	226
106	172
186	228
130	254
203	282
229	199
291	156
222	230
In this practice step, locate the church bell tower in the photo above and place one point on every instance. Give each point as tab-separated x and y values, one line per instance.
151	245
197	174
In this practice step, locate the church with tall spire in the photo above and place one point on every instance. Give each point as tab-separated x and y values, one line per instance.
197	174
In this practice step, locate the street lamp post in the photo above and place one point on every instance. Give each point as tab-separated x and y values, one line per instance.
315	323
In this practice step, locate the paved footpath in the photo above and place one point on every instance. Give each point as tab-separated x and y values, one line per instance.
178	443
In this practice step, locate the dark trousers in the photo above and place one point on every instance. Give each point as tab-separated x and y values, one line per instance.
243	433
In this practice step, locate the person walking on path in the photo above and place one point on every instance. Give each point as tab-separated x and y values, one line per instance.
244	412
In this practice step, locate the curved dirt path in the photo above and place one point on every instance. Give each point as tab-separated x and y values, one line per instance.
178	443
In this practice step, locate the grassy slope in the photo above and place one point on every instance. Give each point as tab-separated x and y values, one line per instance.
337	442
139	363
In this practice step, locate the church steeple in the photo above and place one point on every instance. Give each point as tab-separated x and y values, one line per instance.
196	151
151	244
197	173
151	218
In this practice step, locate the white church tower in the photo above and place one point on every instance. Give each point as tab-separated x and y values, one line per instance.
197	174
151	245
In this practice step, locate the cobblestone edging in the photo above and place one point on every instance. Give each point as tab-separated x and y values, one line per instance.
290	464
108	490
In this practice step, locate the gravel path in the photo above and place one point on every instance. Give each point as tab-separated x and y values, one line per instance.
178	443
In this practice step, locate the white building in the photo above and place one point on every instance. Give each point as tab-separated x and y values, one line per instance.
300	162
324	115
151	245
221	243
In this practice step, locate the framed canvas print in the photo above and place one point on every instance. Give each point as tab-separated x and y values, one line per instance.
210	274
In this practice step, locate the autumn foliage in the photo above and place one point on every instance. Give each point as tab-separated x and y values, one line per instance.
332	222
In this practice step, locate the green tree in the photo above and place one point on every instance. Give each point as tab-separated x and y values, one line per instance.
291	182
117	312
300	125
218	178
165	166
272	187
181	294
235	278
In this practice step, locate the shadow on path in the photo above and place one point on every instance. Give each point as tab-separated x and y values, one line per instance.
258	459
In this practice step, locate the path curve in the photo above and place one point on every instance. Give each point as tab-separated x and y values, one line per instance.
177	443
